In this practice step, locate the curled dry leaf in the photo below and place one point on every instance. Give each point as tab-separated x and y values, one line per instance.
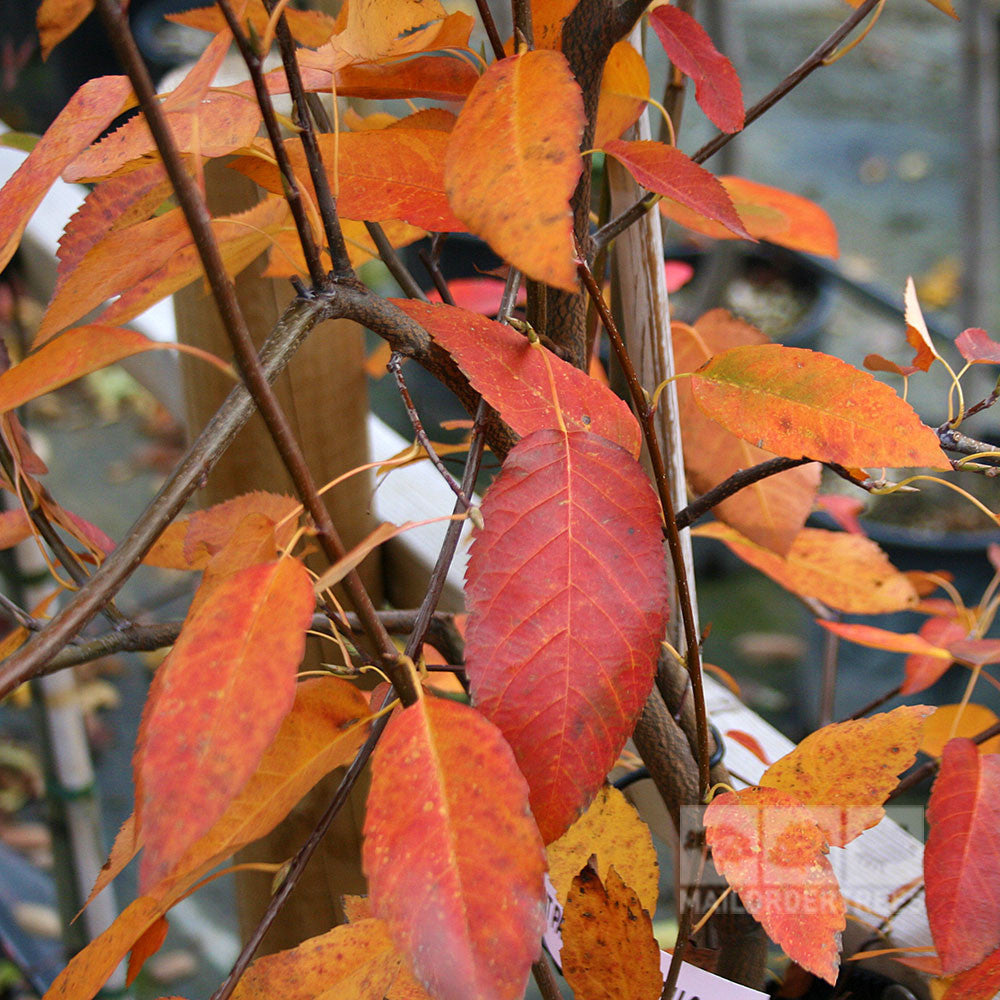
608	948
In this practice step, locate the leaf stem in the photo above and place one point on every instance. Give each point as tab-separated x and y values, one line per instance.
645	414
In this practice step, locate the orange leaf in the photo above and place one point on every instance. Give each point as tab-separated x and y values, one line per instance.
467	910
716	83
88	970
74	354
768	213
147	946
15	527
748	742
981	982
225	123
513	161
849	573
612	830
308	27
846	770
87	114
56	19
191	541
382	175
513	376
437	78
923	669
354	961
553	608
769	848
547	17
608	947
804	404
772	511
962	856
624	92
217	703
964	721
667	171
977	347
893	642
917	334
373	26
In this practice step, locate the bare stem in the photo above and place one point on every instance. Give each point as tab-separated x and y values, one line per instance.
486	15
645	414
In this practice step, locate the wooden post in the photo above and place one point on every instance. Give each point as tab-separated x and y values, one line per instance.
325	396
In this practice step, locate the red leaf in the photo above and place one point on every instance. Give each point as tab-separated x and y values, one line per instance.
923	669
844	510
768	847
667	171
716	83
748	742
87	114
880	638
512	375
467	909
147	946
977	348
804	404
513	162
981	982
437	78
567	595
962	856
215	705
15	527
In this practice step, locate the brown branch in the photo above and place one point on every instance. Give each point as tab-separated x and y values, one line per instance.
224	293
645	414
290	185
486	15
392	261
325	201
811	63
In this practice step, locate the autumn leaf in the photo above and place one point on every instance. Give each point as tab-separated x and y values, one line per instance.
845	771
225	122
75	353
308	27
962	856
977	347
923	669
917	334
612	830
216	704
15	527
148	945
892	642
964	721
624	92
769	848
513	161
57	19
191	541
567	596
848	573
981	982
666	170
89	111
373	26
324	729
608	948
381	175
768	213
467	910
717	85
770	512
436	78
513	376
355	960
801	403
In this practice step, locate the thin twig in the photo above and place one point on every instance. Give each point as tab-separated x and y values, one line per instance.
234	323
396	367
394	263
545	979
486	15
812	62
433	265
523	26
19	615
325	201
290	185
645	414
